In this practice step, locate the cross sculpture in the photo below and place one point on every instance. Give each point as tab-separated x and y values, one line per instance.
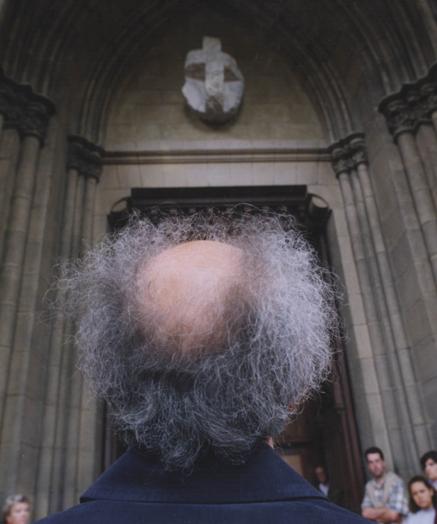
213	85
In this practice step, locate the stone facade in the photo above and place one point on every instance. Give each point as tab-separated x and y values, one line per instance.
332	102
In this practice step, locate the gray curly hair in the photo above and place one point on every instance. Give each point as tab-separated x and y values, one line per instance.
274	351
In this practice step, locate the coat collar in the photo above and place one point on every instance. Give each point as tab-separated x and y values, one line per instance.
136	476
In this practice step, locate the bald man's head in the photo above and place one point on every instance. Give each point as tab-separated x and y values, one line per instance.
201	331
188	291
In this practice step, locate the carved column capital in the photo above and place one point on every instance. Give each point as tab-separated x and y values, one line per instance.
357	149
348	153
35	115
24	110
398	114
84	156
340	158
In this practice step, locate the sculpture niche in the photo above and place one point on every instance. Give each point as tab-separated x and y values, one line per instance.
213	85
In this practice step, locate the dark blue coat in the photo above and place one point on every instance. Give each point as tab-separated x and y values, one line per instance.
137	490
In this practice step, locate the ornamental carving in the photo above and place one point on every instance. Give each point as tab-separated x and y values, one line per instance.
398	114
348	153
358	150
35	117
24	110
413	105
84	156
340	160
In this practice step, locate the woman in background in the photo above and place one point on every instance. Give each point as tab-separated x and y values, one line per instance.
16	510
423	502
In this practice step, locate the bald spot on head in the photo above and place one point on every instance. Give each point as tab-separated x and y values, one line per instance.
187	288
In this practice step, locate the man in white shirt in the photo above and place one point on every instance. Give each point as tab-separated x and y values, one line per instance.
384	499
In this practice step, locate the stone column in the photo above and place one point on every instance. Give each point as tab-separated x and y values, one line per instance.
427	144
90	421
46	487
402	399
342	167
10	112
69	392
402	418
72	379
83	420
9	151
427	132
402	122
74	437
413	401
35	114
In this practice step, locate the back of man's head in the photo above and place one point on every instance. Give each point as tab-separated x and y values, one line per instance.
202	333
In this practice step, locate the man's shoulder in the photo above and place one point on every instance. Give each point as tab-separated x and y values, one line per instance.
390	477
394	477
299	511
137	488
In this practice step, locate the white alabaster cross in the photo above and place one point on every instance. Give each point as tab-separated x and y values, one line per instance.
214	70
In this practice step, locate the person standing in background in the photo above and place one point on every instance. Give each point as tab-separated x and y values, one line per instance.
16	510
324	485
423	501
384	498
429	466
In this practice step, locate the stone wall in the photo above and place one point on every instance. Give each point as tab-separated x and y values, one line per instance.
148	111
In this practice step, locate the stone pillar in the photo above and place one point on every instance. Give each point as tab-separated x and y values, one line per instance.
65	451
10	112
46	487
427	143
72	450
414	402
426	138
9	151
384	298
342	167
409	114
71	378
402	122
26	117
402	401
32	125
90	421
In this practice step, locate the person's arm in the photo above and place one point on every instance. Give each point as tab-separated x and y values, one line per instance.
381	514
367	507
397	503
